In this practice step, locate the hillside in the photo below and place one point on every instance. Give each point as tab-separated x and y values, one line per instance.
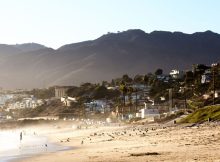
107	57
26	47
202	115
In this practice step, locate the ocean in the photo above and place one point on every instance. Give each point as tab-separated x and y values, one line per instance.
13	147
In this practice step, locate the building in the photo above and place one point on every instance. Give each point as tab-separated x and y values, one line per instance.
25	103
217	93
150	114
206	78
60	91
139	86
101	106
176	74
68	101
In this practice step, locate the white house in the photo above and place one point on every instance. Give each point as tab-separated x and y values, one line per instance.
206	78
150	114
112	88
217	93
138	115
67	101
176	74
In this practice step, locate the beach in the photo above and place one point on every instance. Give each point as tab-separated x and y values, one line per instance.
129	142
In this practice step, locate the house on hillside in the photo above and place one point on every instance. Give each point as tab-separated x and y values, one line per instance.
206	78
101	106
176	74
217	93
26	102
68	101
60	91
112	88
150	114
139	86
164	78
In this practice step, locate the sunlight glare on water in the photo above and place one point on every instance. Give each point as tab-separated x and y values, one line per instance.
9	140
11	146
32	143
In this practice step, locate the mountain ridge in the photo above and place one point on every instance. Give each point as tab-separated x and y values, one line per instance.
109	56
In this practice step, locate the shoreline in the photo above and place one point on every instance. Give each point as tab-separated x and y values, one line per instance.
35	141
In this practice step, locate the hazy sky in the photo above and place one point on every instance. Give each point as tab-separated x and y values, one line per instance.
58	22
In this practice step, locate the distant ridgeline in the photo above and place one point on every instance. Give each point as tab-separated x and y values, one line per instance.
112	55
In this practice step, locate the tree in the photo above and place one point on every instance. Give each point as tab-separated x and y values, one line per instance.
158	72
113	82
73	91
189	78
100	92
139	78
124	90
146	79
130	91
113	94
105	83
43	93
126	79
198	71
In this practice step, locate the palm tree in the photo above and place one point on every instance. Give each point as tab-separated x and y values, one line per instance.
124	90
130	91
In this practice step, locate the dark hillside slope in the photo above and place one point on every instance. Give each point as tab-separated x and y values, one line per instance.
107	57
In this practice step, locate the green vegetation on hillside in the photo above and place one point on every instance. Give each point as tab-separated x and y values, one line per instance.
201	115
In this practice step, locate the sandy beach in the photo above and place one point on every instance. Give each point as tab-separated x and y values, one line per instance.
127	143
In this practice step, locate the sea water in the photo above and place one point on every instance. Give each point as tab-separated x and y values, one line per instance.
13	147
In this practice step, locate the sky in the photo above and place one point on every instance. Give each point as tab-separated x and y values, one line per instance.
54	23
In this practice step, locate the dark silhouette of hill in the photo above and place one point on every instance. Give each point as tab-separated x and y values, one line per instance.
111	55
8	50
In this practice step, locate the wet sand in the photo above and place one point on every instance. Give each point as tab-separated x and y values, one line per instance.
136	143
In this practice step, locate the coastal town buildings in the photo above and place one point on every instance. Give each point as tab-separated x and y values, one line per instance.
4	98
25	103
101	106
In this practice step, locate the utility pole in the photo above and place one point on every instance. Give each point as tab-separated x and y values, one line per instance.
185	104
136	100
213	75
171	98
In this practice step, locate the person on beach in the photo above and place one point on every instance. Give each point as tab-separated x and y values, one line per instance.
21	136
